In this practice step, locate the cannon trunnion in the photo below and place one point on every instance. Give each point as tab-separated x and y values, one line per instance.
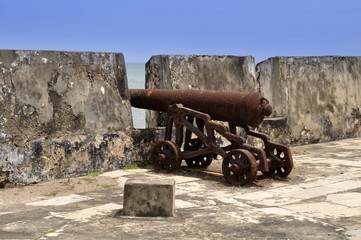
191	132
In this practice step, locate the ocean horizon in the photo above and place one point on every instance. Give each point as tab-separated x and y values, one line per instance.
136	80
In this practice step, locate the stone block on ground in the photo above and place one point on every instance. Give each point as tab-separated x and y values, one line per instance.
149	197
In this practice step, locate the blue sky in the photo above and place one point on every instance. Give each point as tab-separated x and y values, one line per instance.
142	28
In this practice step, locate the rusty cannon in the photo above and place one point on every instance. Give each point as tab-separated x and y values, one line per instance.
193	135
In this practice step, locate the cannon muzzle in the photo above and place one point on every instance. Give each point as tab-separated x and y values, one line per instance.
242	109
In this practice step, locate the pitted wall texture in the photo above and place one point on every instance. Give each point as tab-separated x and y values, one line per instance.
65	114
198	72
315	99
62	92
62	114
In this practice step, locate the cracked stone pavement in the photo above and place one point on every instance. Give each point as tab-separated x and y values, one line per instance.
321	199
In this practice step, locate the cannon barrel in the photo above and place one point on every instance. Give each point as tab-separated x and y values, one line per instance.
235	107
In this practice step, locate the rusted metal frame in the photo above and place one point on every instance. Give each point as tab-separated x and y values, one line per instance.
202	137
229	147
223	130
180	114
277	161
232	128
198	149
252	133
269	147
169	126
196	153
236	141
200	124
178	134
177	120
188	135
180	118
196	144
258	153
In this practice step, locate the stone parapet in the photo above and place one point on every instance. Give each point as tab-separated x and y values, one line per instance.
74	155
53	93
65	114
315	99
62	114
62	157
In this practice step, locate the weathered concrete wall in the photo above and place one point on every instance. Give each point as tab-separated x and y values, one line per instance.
199	72
55	93
62	114
315	99
66	156
74	155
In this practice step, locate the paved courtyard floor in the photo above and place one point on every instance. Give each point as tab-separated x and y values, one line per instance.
321	199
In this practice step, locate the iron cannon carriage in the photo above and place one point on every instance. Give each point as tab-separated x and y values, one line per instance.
193	130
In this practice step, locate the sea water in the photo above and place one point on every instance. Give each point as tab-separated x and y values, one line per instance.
136	80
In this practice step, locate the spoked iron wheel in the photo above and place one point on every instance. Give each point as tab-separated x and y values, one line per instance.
281	167
281	172
166	156
200	161
239	167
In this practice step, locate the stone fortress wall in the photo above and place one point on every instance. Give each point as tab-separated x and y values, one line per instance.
319	98
314	99
65	114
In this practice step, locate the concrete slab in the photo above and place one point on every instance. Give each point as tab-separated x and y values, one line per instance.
73	198
179	204
311	193
346	185
324	210
234	202
354	234
84	215
352	199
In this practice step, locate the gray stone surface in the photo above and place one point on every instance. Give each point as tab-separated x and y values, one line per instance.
143	142
206	207
52	93
66	156
316	99
73	155
198	72
62	114
149	197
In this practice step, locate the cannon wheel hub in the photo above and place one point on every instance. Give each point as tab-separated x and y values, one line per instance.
166	156
239	167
